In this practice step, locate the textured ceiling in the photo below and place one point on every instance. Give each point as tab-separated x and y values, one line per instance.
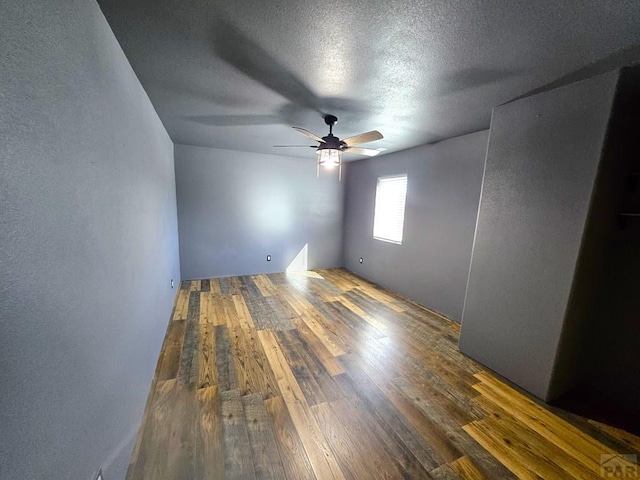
237	74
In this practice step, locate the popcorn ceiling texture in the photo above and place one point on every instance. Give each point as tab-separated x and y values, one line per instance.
236	75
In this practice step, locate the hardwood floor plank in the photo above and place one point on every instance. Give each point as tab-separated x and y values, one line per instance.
437	417
533	460
384	455
391	444
379	295
282	316
564	435
298	300
209	462
284	302
294	302
188	372
294	458
315	444
240	356
253	373
329	388
446	415
433	433
347	385
328	338
308	385
324	375
205	308
238	459
323	289
353	463
167	448
226	288
225	363
629	440
264	284
193	312
501	451
362	314
530	440
266	381
445	472
330	363
214	287
151	458
230	312
207	372
390	417
183	436
242	312
143	423
260	310
217	309
340	280
171	351
319	387
466	469
418	375
266	458
362	329
182	303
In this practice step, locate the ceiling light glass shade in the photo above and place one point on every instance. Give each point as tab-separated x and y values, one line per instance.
329	157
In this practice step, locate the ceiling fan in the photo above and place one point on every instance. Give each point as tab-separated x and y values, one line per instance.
331	148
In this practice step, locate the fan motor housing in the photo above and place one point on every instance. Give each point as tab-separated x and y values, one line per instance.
332	142
330	120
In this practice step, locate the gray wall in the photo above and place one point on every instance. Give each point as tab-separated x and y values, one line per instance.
615	361
612	363
235	208
88	237
432	264
542	162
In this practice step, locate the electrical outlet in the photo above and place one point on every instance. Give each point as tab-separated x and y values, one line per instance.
268	258
361	260
172	284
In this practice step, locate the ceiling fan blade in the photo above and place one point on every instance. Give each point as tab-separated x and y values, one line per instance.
309	134
363	138
369	152
295	146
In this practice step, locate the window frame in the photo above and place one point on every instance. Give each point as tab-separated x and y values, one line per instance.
404	207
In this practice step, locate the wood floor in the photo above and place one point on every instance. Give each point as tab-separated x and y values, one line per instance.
325	375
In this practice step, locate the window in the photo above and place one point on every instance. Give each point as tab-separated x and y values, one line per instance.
388	217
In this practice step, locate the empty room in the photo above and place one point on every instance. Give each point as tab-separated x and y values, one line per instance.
319	240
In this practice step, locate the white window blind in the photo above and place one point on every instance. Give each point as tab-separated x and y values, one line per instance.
388	217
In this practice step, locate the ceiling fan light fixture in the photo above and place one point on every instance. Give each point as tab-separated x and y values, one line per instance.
329	157
331	147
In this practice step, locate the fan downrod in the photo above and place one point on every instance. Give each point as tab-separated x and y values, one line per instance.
330	120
